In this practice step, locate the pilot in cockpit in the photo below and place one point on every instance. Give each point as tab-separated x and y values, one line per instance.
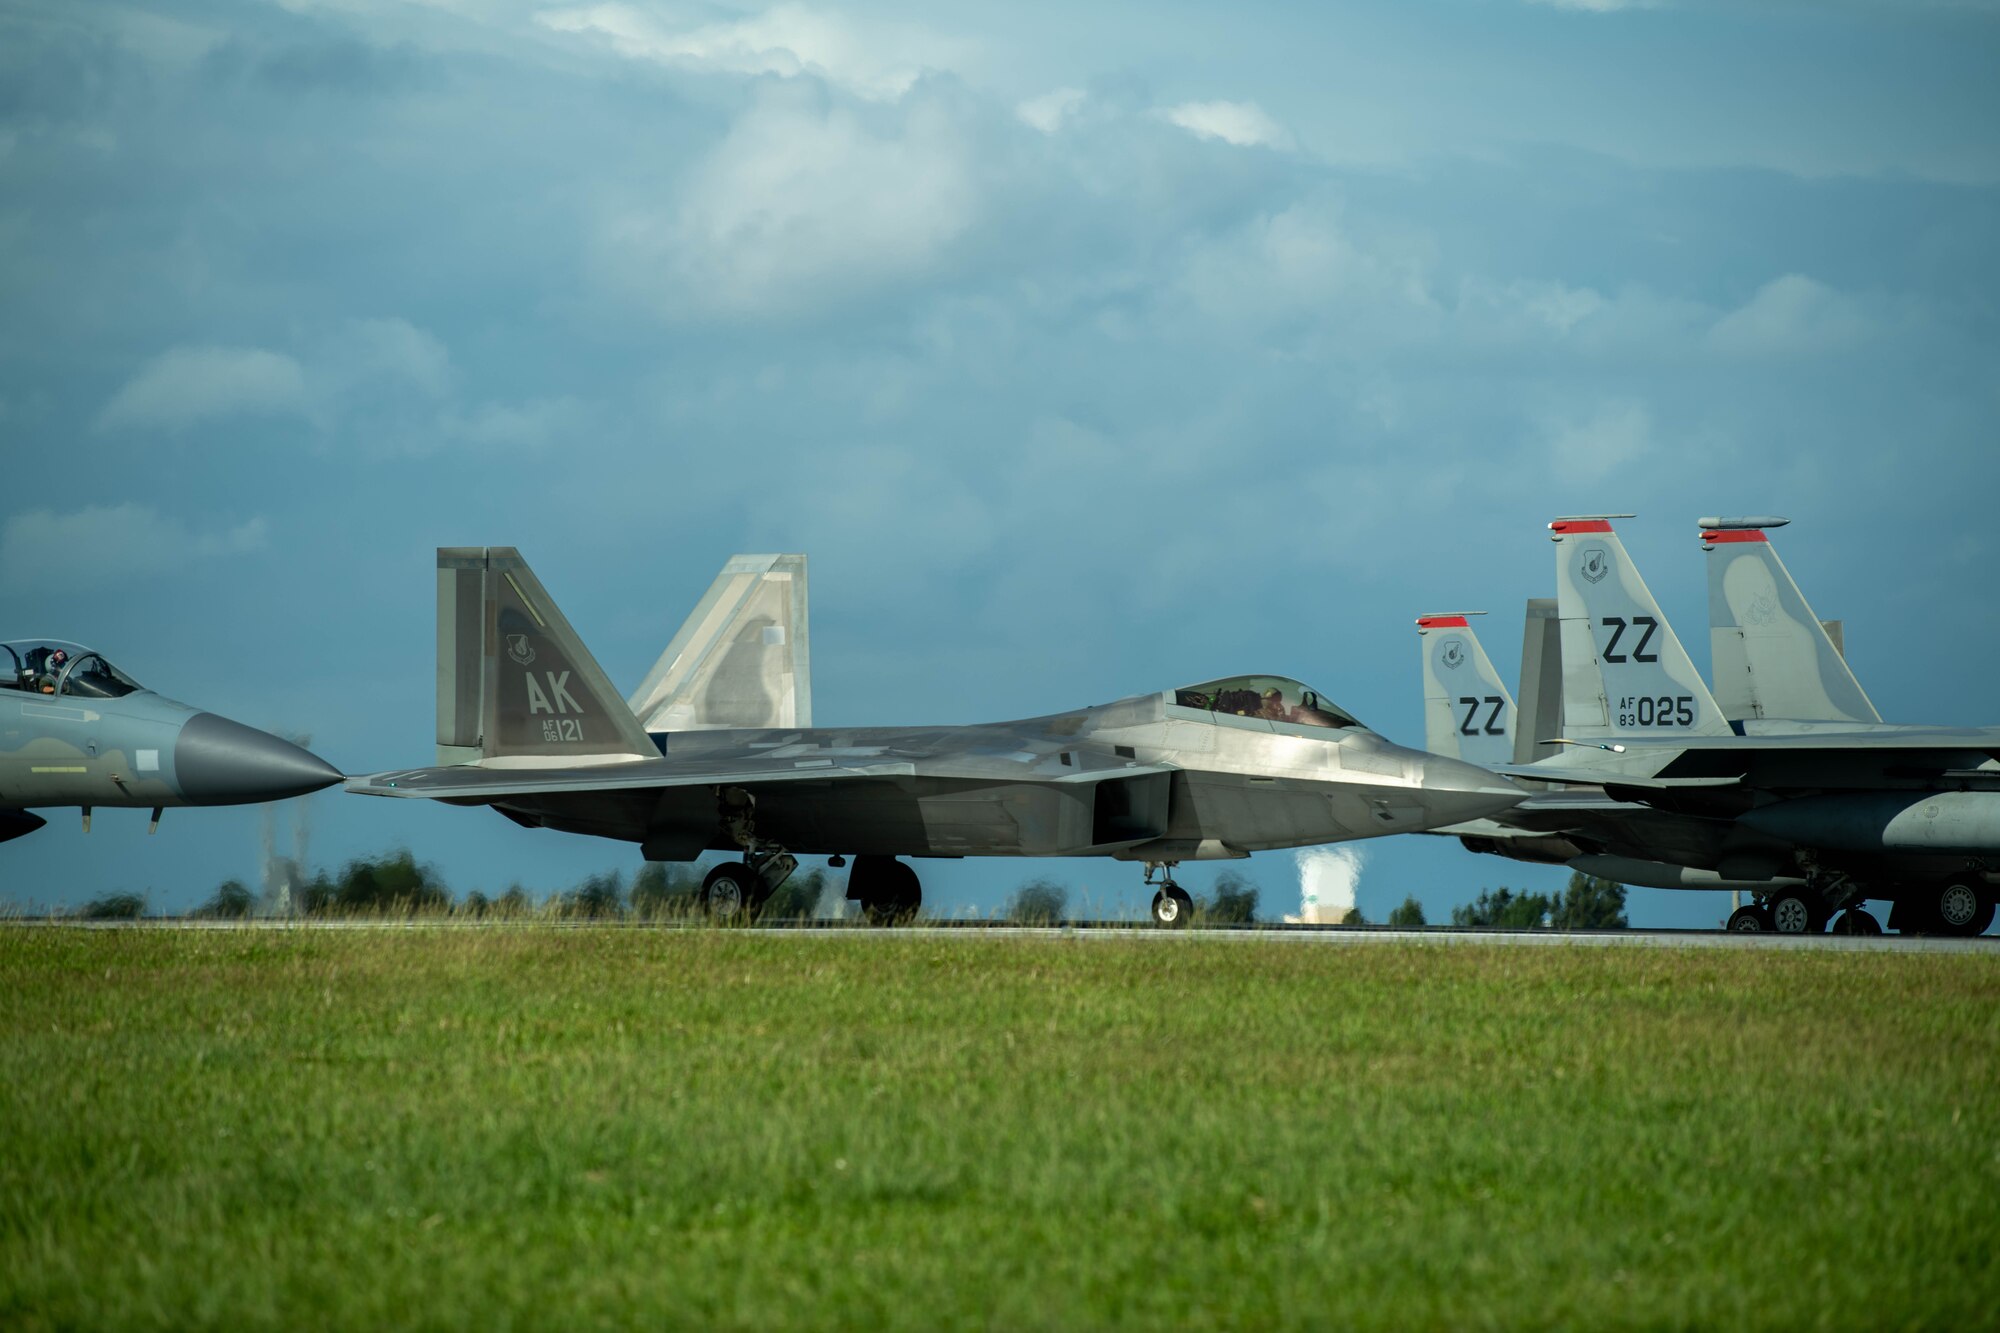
1272	707
52	667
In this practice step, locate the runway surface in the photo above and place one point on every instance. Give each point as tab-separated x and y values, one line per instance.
1349	936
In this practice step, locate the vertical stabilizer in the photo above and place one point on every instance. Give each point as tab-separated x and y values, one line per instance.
742	659
514	681
1624	670
1541	715
1773	657
1468	713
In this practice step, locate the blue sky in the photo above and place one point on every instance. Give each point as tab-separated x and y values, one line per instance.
1086	350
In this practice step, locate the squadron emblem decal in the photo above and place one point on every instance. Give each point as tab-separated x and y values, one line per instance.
1453	654
1595	564
518	649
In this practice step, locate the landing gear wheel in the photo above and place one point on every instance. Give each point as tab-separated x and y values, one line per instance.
1750	920
1956	909
890	891
1854	921
1172	907
1793	914
726	894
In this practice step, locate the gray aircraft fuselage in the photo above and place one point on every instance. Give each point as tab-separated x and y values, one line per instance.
1142	779
529	724
89	736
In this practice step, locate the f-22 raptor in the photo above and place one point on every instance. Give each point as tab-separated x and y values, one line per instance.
1208	771
77	731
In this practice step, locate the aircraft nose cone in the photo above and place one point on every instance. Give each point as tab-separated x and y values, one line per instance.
219	762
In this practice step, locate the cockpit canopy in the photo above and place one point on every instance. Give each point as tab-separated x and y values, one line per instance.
54	666
1273	698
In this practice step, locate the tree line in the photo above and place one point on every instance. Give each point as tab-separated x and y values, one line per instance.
395	883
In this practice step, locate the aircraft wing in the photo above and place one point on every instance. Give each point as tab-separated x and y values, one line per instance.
480	784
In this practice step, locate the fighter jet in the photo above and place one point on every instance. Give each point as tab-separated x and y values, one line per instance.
1859	810
1470	714
529	725
77	731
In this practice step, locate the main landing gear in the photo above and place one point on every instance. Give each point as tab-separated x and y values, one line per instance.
734	890
1805	910
888	890
1171	905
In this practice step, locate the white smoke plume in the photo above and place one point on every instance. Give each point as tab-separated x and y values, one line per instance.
1328	877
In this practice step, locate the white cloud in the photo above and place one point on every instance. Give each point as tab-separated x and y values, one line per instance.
388	349
533	424
1608	439
1241	123
1047	112
186	385
1299	267
802	204
42	549
1788	315
875	61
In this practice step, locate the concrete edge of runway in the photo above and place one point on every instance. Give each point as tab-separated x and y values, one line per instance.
1132	930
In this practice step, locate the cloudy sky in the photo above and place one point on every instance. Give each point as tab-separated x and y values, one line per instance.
1086	350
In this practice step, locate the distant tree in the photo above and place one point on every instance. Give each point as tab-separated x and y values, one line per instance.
391	882
232	901
1409	915
516	902
1590	903
315	896
1354	918
661	890
475	903
1503	907
1235	900
601	897
114	907
1039	902
797	899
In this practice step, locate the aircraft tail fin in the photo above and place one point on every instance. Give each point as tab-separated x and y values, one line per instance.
514	681
1468	713
1541	715
1773	657
1625	672
742	659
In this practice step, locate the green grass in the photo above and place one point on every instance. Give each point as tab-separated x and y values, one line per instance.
527	1127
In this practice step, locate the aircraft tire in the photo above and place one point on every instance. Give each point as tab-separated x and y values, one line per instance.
1750	920
895	896
727	894
1172	908
1854	921
1794	914
1960	909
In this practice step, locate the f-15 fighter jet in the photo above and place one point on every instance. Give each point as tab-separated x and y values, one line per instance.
1469	714
1208	771
77	731
1859	809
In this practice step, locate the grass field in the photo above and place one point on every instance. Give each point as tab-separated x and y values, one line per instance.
533	1127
